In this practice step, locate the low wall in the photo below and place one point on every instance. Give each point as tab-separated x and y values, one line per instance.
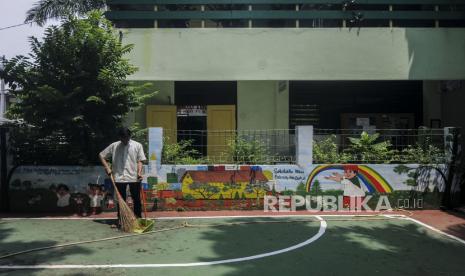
74	189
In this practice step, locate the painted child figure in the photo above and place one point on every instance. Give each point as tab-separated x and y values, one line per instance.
63	195
353	190
96	196
109	202
79	200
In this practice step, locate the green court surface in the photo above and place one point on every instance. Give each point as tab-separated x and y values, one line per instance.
233	246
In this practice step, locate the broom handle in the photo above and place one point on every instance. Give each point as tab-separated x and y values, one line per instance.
118	195
143	200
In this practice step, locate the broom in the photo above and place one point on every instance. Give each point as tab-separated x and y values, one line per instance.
127	219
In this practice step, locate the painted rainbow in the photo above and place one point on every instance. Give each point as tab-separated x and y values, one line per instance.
372	180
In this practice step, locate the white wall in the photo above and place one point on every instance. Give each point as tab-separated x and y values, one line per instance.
298	54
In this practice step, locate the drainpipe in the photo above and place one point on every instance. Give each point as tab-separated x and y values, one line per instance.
4	204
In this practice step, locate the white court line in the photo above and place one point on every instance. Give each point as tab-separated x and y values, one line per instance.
433	229
320	233
201	217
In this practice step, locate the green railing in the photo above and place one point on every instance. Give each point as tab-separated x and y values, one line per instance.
353	11
255	2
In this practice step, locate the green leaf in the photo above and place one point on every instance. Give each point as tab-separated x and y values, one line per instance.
95	99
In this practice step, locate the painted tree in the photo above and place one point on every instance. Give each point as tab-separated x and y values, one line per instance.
231	187
220	201
16	183
72	87
206	190
259	188
316	188
301	187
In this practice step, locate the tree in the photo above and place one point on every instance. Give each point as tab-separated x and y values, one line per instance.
47	9
72	87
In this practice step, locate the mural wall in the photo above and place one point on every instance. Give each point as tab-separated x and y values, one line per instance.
70	189
86	190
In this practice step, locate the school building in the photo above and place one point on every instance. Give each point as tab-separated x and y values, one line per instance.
276	64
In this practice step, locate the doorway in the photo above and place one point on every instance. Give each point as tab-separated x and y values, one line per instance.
204	114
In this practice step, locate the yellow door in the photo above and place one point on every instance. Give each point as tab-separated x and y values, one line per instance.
221	127
163	116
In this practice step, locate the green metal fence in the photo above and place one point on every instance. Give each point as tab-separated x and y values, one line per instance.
377	13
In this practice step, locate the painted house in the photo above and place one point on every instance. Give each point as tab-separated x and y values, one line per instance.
237	184
276	64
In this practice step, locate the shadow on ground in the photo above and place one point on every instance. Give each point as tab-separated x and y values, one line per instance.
458	228
391	247
11	241
383	247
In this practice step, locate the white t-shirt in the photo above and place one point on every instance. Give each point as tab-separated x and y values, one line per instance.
350	189
124	159
63	201
96	200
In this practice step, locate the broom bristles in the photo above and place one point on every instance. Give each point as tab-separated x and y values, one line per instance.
127	219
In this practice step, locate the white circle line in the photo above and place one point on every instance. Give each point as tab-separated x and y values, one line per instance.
321	231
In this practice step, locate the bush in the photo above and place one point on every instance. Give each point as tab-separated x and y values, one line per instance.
422	154
326	151
242	150
367	149
180	153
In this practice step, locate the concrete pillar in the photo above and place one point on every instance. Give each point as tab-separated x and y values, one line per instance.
304	145
155	150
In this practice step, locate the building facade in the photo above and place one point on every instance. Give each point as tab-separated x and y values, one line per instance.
276	64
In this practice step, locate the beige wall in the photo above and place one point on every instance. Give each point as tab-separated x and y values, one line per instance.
164	96
453	109
298	54
261	105
432	102
448	106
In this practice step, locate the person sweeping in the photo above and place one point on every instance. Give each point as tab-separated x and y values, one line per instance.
126	157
